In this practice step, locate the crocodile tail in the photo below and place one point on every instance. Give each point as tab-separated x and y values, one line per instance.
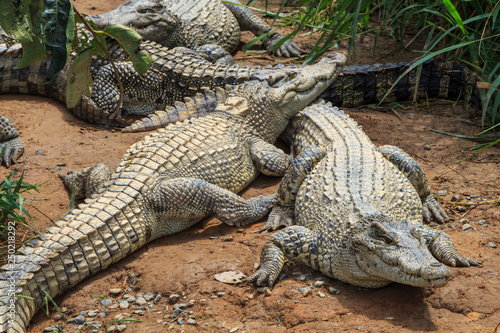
87	110
90	239
368	84
199	105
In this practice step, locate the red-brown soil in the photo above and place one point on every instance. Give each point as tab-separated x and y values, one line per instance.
185	263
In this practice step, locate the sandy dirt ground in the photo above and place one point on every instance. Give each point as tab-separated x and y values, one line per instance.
180	269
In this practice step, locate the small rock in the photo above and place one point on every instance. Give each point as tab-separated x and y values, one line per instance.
234	329
141	301
106	302
228	239
456	197
92	313
492	245
268	292
124	305
203	300
59	316
427	147
77	320
180	321
463	221
333	291
442	192
221	293
261	289
191	321
174	298
473	196
114	306
466	226
50	329
389	318
157	298
213	237
256	266
318	284
121	327
482	222
149	296
305	290
320	294
461	208
230	277
180	306
139	312
115	291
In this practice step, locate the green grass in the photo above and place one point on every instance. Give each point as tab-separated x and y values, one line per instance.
466	31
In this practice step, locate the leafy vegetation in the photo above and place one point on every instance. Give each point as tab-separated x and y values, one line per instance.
48	28
466	30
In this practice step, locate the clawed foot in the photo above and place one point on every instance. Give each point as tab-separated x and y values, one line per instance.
10	151
287	49
279	216
445	251
432	209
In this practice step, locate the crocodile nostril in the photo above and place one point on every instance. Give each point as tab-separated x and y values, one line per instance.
436	264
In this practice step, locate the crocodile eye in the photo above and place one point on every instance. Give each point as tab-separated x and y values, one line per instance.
388	240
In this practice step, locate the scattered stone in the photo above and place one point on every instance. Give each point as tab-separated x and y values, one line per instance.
456	197
227	239
268	292
141	301
482	222
318	284
304	277
59	316
473	196
149	296
261	289
174	298
305	290
461	208
92	313
427	147
256	266
389	318
203	300
124	305
106	302
333	291
114	306
115	291
466	226
77	320
443	192
180	306
281	276
492	245
121	327
191	321
213	237
139	312
51	329
84	313
230	277
463	221
191	302
180	321
320	294
157	298
221	293
234	329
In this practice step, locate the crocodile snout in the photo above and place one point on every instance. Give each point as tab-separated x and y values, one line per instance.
436	273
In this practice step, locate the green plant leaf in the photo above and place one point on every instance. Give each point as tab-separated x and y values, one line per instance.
79	81
454	13
129	40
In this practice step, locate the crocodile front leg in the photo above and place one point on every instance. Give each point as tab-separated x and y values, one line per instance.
442	247
268	159
11	147
413	171
295	242
178	203
87	182
215	54
249	21
283	213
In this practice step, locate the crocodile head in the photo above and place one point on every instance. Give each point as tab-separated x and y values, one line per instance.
396	252
150	18
272	97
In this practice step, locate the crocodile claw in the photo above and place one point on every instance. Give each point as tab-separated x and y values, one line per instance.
445	251
432	209
262	277
279	216
10	151
287	49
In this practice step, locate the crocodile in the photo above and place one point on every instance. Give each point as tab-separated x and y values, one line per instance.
210	27
165	183
353	211
11	146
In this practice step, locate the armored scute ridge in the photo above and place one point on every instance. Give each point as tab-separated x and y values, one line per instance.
353	211
164	184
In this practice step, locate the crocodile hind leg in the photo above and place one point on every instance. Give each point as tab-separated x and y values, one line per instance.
283	212
87	182
215	54
185	201
267	158
442	247
295	242
11	147
412	170
249	21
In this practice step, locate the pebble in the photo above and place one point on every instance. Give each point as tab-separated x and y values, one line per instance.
234	329
124	305
456	197
114	306
268	292
157	298
77	320
51	329
191	321
492	245
174	298
92	313
180	306
141	301
461	208
442	192
482	222
116	328
121	327
318	284
106	302
115	291
221	293
305	290
228	239
320	294
333	291
139	312
180	321
463	221
466	226
389	318
149	296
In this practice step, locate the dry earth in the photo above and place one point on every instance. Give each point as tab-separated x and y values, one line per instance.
185	264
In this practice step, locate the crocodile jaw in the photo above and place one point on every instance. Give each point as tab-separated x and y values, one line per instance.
303	85
396	254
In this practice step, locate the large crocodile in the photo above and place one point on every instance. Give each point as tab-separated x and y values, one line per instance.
353	211
166	183
201	25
